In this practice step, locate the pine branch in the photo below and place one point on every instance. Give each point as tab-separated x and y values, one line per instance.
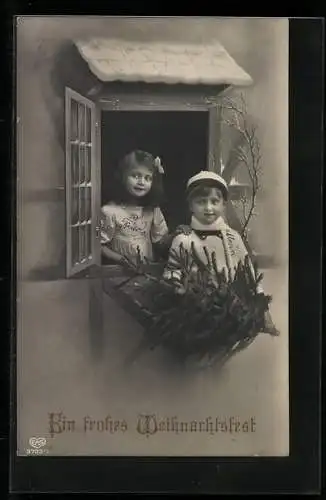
216	317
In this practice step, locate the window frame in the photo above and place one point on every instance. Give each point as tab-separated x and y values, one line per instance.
108	98
145	102
73	269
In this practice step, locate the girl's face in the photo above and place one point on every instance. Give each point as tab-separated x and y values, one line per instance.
139	181
209	207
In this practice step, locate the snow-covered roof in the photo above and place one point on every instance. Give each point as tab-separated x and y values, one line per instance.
157	62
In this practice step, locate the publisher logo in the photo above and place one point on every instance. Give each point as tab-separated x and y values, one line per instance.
37	442
37	446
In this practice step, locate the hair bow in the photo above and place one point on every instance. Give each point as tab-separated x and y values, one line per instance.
158	165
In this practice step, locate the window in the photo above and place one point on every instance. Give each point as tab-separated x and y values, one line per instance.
87	121
82	182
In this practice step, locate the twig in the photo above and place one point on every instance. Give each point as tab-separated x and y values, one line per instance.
251	160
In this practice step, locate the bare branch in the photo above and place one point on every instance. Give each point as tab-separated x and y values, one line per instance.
234	115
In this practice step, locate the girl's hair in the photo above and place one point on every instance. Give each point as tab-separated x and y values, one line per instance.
133	160
204	188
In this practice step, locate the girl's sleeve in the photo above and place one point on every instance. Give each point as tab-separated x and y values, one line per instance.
159	227
108	225
172	270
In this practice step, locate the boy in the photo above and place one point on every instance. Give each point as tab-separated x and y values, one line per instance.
207	194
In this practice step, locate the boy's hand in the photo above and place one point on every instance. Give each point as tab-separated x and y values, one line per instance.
183	229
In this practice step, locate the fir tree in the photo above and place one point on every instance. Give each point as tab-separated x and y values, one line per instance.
216	317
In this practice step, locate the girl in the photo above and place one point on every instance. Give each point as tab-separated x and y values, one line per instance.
132	222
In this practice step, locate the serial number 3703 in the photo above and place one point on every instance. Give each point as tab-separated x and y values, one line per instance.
30	451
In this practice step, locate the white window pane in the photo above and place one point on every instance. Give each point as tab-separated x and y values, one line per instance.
81	205
81	122
88	162
82	164
74	121
75	245
82	242
75	206
74	156
88	125
89	240
88	203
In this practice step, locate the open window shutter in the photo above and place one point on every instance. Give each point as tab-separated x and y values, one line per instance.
82	183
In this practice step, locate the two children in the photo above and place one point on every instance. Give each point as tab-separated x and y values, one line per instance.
133	222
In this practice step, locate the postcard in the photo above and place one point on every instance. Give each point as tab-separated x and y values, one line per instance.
152	236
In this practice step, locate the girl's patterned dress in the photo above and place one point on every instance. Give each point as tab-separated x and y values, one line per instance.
128	230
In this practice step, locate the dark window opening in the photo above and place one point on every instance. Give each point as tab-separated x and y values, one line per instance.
179	138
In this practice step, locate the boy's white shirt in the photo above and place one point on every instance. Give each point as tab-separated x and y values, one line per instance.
234	248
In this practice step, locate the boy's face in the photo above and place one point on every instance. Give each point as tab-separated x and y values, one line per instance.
209	207
139	181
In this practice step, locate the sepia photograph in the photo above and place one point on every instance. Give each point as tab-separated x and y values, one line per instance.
152	236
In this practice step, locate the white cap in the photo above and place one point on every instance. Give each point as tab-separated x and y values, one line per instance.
207	175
